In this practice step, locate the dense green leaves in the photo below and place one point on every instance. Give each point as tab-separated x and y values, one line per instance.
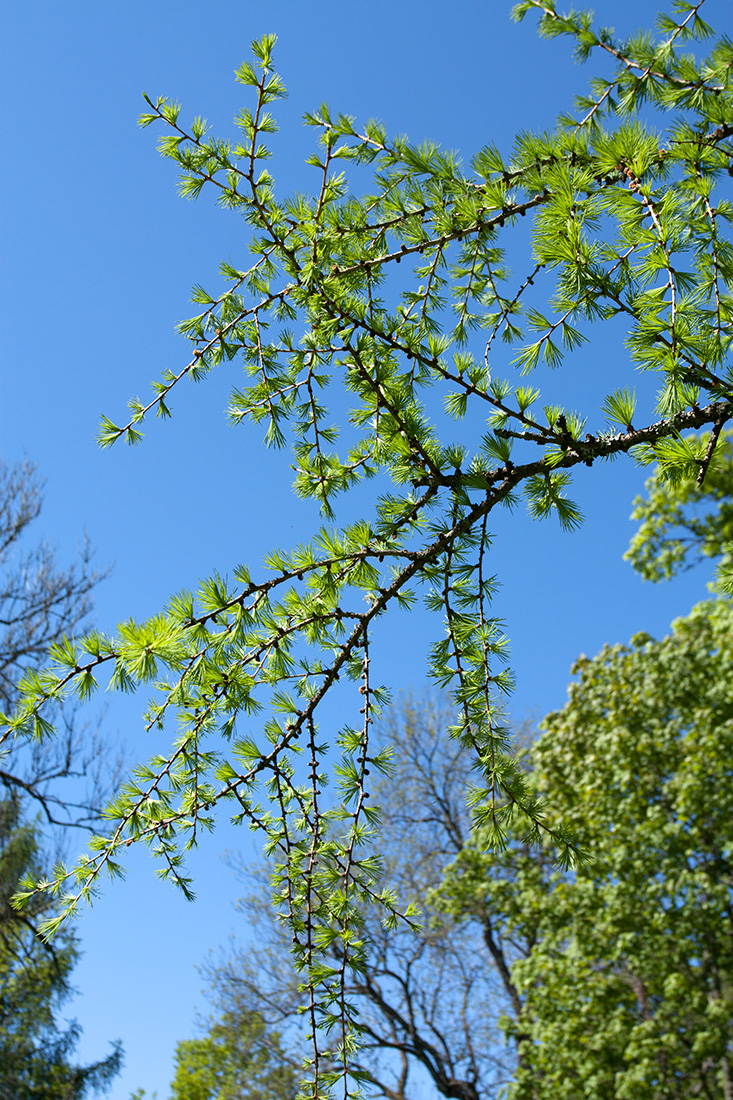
689	519
236	1058
618	976
36	1049
628	990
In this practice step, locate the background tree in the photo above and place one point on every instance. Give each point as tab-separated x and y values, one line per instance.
429	1002
66	777
238	1058
36	1049
626	223
51	782
628	990
687	520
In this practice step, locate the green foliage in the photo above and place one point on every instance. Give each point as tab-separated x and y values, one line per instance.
683	522
632	979
629	220
237	1058
622	972
35	1051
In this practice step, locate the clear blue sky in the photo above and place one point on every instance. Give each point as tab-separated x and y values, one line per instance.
99	255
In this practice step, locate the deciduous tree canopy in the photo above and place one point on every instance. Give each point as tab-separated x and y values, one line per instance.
237	1058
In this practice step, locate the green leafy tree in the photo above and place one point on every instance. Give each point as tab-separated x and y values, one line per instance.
237	1058
36	1048
623	971
378	312
687	520
629	991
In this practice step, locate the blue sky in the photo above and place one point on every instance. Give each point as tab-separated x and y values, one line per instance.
99	255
